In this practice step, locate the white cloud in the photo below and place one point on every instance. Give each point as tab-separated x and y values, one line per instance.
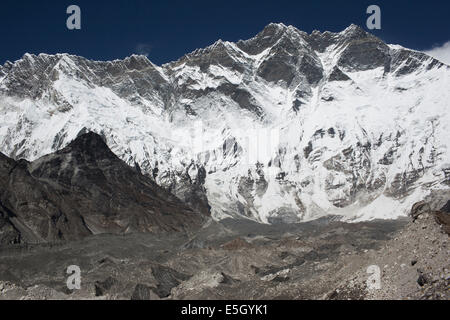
144	49
441	53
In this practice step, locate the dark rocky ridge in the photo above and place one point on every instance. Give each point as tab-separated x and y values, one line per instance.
81	190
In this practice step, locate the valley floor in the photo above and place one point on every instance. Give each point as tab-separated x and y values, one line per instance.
322	259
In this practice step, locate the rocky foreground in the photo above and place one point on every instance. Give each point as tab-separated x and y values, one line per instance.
322	259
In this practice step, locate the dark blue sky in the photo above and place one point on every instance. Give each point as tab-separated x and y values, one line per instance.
166	30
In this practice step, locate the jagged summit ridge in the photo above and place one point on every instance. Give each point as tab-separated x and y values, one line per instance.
361	126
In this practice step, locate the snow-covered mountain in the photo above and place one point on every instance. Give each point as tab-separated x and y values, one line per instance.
285	126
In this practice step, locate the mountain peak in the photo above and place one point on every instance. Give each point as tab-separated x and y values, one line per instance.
88	142
277	29
276	25
352	27
85	193
85	137
354	30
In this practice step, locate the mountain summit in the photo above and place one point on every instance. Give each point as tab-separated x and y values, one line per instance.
360	126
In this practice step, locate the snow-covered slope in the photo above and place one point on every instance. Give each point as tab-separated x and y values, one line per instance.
284	126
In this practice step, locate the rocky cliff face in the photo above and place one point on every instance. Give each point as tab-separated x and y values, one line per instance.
81	190
286	126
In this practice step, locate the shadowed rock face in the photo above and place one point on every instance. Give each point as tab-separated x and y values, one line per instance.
81	190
